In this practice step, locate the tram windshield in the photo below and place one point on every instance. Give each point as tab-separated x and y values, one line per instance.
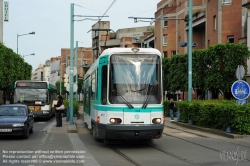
135	78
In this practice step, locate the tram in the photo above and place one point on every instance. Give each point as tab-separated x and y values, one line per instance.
123	94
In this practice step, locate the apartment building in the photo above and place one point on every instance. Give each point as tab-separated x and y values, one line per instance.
214	21
104	37
85	58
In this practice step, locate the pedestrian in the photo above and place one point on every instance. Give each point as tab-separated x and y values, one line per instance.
171	109
59	111
68	112
179	111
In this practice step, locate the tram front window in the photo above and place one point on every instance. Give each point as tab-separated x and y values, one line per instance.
132	77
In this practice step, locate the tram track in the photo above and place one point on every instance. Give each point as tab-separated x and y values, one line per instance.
175	156
197	144
200	135
152	145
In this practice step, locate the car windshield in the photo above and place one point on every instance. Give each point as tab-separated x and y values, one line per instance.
13	111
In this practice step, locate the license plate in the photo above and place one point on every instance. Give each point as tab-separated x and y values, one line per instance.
5	130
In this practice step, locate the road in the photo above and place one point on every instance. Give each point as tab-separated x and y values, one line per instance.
178	146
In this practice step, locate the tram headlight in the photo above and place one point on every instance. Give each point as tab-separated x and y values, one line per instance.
112	120
156	120
115	120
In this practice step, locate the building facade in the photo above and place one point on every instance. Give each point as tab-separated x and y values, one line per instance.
213	22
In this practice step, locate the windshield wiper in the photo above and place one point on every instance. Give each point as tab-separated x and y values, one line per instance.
145	104
124	100
138	90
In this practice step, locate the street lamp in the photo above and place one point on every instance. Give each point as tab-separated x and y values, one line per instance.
31	33
28	55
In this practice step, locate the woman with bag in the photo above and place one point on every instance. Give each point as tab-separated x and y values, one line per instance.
59	108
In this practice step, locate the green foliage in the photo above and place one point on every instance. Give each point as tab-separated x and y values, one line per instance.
13	68
80	85
76	107
212	69
62	87
66	103
218	114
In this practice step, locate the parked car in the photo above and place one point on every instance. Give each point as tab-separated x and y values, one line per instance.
16	119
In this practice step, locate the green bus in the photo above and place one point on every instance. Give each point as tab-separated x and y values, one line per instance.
37	95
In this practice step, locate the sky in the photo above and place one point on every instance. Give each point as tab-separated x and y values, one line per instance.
50	20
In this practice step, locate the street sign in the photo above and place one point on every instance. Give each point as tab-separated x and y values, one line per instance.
6	11
66	84
73	70
240	90
241	102
74	87
66	76
240	72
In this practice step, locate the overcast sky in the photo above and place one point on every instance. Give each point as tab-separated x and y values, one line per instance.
50	20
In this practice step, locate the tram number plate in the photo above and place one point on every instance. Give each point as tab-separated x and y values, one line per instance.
5	130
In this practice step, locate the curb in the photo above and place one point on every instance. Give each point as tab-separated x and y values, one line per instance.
72	128
208	130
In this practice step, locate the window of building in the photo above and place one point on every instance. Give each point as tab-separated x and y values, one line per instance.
214	21
165	24
230	39
226	2
165	40
173	53
165	54
208	43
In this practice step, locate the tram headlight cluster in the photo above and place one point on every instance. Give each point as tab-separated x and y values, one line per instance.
115	120
156	120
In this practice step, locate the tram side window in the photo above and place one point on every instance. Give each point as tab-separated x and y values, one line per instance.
104	85
93	86
86	100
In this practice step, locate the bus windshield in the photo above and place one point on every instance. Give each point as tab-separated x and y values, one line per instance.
135	78
30	95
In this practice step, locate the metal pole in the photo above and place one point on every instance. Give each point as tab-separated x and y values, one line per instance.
60	79
66	68
71	98
190	34
17	45
77	70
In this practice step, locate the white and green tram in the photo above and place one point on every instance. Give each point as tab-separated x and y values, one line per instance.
123	95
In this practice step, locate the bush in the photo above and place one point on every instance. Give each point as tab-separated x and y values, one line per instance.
76	107
218	114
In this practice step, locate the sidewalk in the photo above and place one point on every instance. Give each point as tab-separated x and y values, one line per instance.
66	126
177	125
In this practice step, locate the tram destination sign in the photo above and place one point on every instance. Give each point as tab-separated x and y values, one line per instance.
32	84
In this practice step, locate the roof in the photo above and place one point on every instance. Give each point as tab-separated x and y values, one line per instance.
121	50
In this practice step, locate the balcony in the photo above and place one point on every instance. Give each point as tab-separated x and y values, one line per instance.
199	20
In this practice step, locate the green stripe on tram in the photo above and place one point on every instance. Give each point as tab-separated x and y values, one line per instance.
123	109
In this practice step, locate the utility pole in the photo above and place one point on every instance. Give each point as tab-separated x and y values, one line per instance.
71	95
1	21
